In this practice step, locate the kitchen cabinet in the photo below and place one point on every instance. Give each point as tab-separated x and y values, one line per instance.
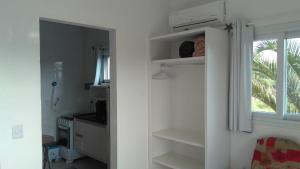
91	139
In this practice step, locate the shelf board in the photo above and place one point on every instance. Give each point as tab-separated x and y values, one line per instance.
179	61
180	35
189	138
176	161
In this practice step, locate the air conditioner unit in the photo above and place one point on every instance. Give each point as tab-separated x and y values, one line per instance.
211	14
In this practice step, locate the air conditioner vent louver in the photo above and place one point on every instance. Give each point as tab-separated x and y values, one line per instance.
211	14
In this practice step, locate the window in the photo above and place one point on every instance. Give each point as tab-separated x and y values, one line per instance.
276	76
102	67
293	75
264	76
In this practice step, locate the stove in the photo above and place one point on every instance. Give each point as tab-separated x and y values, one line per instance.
65	138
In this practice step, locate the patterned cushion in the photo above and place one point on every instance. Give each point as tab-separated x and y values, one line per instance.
276	153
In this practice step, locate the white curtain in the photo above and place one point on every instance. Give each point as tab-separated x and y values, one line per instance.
99	66
240	118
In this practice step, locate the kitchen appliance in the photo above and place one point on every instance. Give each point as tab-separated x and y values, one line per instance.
65	138
102	111
210	14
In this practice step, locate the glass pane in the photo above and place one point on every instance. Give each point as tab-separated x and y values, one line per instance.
293	75
264	75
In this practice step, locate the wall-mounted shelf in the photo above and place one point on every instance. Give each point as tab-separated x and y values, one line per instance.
179	61
176	161
179	35
188	138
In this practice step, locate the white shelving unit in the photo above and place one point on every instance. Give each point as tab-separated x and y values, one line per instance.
188	111
180	35
189	138
179	61
177	161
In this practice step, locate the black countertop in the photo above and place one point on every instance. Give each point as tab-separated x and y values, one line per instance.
91	117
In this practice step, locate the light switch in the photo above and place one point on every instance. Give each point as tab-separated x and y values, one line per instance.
17	132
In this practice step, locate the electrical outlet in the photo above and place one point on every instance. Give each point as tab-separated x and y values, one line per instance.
17	132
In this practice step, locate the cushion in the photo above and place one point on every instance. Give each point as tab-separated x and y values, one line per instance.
276	153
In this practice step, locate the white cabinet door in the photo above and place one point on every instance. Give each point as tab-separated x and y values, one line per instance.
91	140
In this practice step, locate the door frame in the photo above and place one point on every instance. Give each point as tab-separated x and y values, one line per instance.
112	122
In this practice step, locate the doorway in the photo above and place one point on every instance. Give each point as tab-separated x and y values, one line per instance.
78	95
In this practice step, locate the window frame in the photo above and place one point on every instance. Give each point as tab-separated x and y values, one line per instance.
281	82
108	71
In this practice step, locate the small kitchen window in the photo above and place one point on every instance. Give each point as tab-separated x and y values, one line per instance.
102	66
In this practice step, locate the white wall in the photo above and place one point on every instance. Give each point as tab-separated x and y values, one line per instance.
20	99
183	4
133	20
262	12
61	43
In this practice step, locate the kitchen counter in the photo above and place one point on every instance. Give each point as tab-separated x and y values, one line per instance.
91	118
91	122
91	138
